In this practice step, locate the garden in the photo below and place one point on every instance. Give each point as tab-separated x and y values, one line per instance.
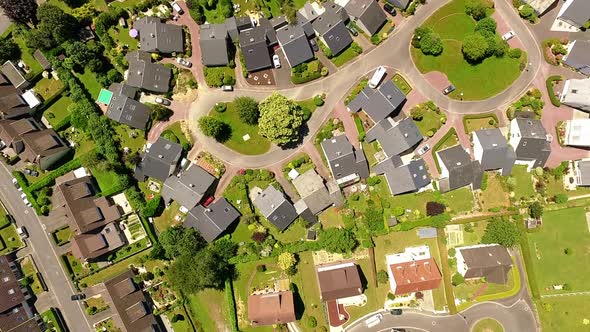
402	84
52	320
9	239
428	118
58	112
476	122
95	305
308	71
343	57
218	76
31	275
460	40
530	102
62	236
47	88
301	163
176	132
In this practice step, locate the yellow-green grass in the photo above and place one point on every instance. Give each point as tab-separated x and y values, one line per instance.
401	83
181	325
564	313
176	129
58	110
524	182
430	121
331	218
488	325
494	196
30	271
479	123
98	302
52	320
121	36
90	82
27	55
48	87
9	240
344	57
209	309
166	219
114	270
62	235
134	139
561	230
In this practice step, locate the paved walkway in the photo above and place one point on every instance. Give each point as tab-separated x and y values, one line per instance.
565	294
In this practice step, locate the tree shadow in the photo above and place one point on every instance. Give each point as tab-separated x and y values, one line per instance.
224	134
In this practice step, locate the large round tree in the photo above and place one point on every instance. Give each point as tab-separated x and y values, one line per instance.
475	47
280	119
21	11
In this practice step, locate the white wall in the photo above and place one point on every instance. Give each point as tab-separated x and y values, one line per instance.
477	148
514	134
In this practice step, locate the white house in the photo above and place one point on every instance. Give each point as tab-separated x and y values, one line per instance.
530	141
576	93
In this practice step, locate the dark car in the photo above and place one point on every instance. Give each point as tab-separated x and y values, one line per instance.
396	312
389	8
352	30
314	45
78	297
449	89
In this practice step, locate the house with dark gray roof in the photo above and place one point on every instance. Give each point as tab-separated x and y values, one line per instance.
530	141
213	220
14	75
367	14
575	12
254	46
278	22
214	46
313	191
232	29
12	104
187	188
295	45
16	314
395	138
159	160
458	170
159	37
144	74
403	178
273	206
347	164
492	151
490	261
582	172
401	4
244	23
271	34
330	28
379	103
577	56
125	109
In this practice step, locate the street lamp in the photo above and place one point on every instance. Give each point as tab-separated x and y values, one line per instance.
461	96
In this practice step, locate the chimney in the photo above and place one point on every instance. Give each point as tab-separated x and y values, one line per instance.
160	156
191	185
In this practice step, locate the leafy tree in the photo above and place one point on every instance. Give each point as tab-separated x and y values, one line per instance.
476	9
434	208
431	44
280	119
457	279
213	127
503	232
157	252
160	113
526	11
312	322
196	11
496	46
259	237
561	198
486	24
177	241
382	277
21	11
55	27
419	33
85	13
373	218
247	108
536	210
338	240
452	252
204	269
8	50
475	47
417	113
286	261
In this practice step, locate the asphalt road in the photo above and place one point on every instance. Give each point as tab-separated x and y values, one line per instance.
44	255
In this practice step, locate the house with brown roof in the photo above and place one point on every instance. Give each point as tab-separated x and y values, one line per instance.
16	314
12	104
338	281
271	308
412	271
89	246
131	308
490	261
32	142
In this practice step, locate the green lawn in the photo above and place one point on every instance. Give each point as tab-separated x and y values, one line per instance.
469	238
114	270
254	146
98	302
331	218
134	139
370	149
29	271
27	55
91	83
566	313
176	129
430	120
212	75
107	325
52	320
108	180
125	3
473	124
58	110
209	309
488	325
494	196
74	265
450	141
167	220
524	182
309	292
452	24
402	84
344	57
561	230
459	200
240	286
121	37
48	87
62	235
181	325
9	240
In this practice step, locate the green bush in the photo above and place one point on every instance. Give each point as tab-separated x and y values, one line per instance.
457	279
312	322
382	277
398	211
549	83
318	100
231	305
515	53
220	107
559	199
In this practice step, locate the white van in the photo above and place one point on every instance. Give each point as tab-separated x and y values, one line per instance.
373	321
176	7
377	77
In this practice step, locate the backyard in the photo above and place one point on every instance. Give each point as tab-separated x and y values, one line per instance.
9	240
52	320
477	122
30	272
452	24
90	82
58	111
430	121
559	252
524	182
567	313
114	270
494	195
48	87
62	235
170	217
133	139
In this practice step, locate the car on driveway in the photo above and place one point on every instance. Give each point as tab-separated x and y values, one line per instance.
227	88
508	35
396	312
184	62
276	61
423	149
163	101
78	297
314	45
176	7
15	183
389	9
22	232
352	30
449	89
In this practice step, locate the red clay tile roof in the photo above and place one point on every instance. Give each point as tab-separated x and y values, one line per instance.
415	276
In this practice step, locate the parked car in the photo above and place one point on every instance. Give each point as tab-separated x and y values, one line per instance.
396	312
276	61
449	89
34	173
227	88
163	101
374	320
22	232
23	196
352	30
27	171
314	45
2	145
15	183
184	62
208	201
27	203
508	35
78	297
423	149
176	7
390	9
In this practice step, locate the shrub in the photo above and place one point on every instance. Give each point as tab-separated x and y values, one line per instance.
484	181
536	210
355	197
457	279
312	322
247	108
431	44
560	198
549	83
261	268
220	107
526	11
324	71
475	47
390	296
318	100
476	9
372	181
568	251
382	277
452	252
434	208
398	211
515	53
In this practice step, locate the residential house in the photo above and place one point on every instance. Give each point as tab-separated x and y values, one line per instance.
14	75
306	15
94	244
530	141
213	220
131	310
232	29
32	142
16	314
214	45
395	138
401	4
273	206
367	14
577	133
458	170
330	29
271	34
159	160
582	171
312	191
576	93
12	104
271	308
254	45
490	261
145	75
577	56
294	43
412	271
492	150
346	163
188	188
123	107
387	100
158	37
575	13
540	6
401	178
339	281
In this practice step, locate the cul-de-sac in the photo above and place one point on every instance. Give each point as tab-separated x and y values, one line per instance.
294	165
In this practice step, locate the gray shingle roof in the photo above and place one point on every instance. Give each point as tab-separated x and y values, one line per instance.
243	23
189	188
395	138
402	4
462	170
273	205
343	159
294	43
155	36
583	173
213	220
404	178
578	12
146	75
159	161
533	143
253	44
578	56
368	13
379	103
331	28
492	262
213	41
232	28
124	109
313	192
271	34
497	153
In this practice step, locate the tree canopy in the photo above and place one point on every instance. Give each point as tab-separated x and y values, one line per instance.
280	119
55	27
205	269
247	108
21	11
8	50
213	127
431	44
503	232
177	241
338	240
536	210
475	47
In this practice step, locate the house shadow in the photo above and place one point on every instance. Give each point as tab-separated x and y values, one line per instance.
298	302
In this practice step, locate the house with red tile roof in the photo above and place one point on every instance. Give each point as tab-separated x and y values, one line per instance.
413	271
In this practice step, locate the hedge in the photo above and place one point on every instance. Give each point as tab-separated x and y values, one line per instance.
62	170
296	79
359	127
438	144
549	82
231	305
